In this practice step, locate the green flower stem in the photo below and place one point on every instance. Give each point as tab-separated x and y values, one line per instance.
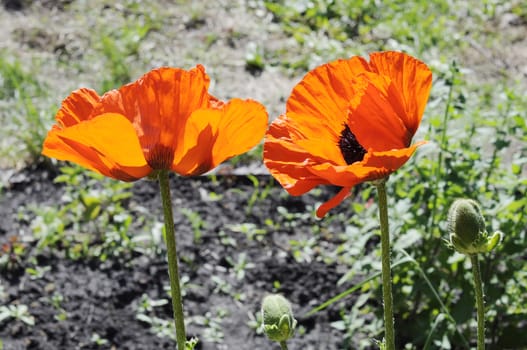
386	270
480	306
173	270
283	345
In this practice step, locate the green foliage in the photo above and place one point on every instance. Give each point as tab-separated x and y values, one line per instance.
20	114
212	323
163	328
464	166
13	254
259	193
98	340
240	265
330	29
56	301
90	221
254	58
250	230
121	45
17	312
196	222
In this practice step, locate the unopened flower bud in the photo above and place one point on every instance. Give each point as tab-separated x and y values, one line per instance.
277	315
466	227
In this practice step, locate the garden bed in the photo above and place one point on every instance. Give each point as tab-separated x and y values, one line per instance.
79	303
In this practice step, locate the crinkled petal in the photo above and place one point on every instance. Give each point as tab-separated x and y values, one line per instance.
159	105
287	161
294	177
77	107
411	83
374	166
325	91
393	159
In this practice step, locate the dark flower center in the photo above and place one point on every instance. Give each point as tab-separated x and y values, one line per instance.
351	149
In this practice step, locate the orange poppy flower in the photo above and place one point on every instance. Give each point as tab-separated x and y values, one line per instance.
164	120
347	122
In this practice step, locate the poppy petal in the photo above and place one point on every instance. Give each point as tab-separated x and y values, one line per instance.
287	161
319	103
241	127
78	106
197	159
283	143
376	165
333	202
294	177
374	121
411	80
93	144
82	155
213	135
347	176
393	159
323	149
194	152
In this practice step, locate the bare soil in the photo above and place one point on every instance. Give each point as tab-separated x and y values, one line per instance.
102	297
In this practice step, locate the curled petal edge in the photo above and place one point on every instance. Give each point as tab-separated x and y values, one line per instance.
333	202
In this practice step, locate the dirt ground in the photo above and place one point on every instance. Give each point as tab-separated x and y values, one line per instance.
102	298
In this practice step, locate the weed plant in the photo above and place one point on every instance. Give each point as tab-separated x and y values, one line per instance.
91	220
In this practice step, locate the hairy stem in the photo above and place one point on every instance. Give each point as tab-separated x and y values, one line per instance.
283	345
386	270
173	269
480	305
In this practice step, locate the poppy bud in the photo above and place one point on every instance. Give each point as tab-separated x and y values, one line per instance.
278	321
466	227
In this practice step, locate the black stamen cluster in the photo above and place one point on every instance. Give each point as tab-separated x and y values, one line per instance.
351	149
